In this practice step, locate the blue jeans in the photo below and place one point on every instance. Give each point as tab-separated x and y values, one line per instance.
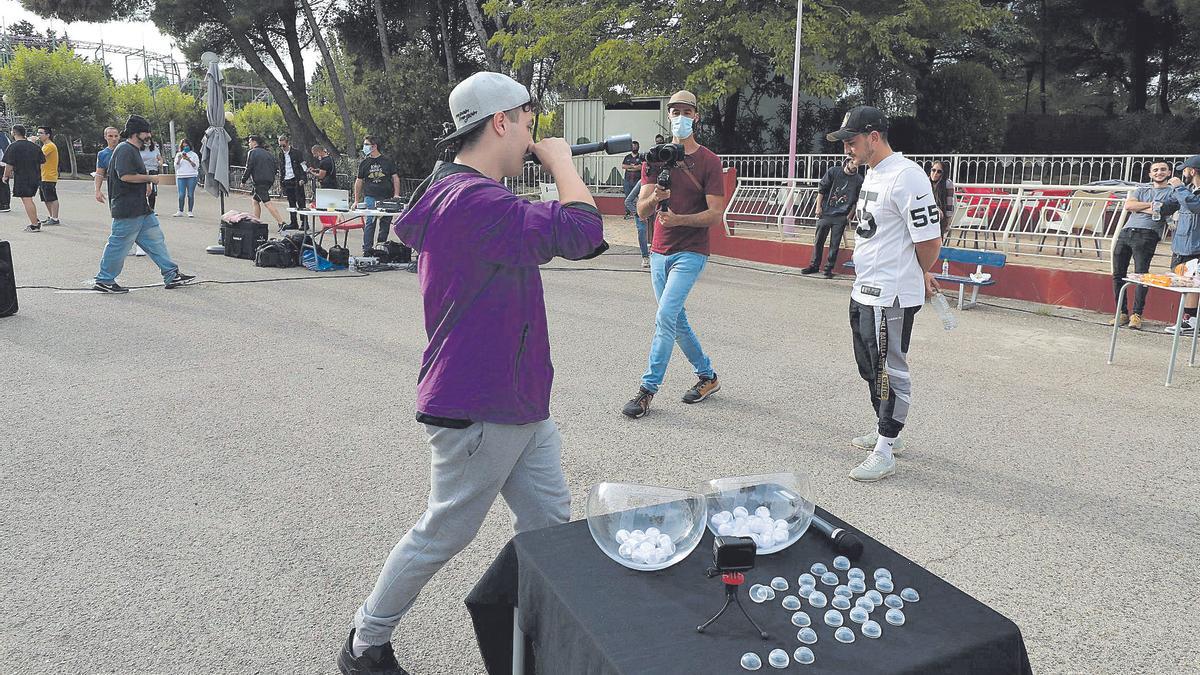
673	277
631	197
187	186
143	230
369	229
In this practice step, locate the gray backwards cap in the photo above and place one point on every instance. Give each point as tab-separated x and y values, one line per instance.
1192	162
480	96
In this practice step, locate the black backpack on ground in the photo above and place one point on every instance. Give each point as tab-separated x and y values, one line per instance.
276	253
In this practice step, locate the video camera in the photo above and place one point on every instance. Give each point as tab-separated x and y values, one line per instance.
663	158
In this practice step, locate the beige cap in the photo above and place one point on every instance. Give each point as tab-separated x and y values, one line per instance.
683	96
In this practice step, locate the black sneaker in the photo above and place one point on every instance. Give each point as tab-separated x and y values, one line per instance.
705	387
639	405
828	274
811	269
180	279
113	287
379	660
33	227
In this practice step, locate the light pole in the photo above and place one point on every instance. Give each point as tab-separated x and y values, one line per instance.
788	223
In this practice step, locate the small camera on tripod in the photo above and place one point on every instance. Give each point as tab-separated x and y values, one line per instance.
663	158
731	557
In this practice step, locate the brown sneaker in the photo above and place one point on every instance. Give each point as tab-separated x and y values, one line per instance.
1135	321
639	405
704	388
1122	320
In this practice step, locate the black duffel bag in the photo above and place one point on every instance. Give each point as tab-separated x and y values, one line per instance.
276	253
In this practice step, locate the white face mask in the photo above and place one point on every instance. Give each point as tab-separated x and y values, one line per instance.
366	149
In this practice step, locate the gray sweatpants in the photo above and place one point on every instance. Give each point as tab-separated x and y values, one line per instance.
468	468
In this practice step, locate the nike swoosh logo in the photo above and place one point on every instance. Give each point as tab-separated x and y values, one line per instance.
923	196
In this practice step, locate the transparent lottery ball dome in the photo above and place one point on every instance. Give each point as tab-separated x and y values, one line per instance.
773	509
645	527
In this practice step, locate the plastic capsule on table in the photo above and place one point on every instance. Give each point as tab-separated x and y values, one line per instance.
778	659
758	593
859	615
910	595
804	655
871	629
841	563
865	603
806	579
857	586
882	572
874	596
894	617
894	602
801	619
829	579
791	602
833	618
817	599
779	584
856	573
805	591
818	568
843	591
750	661
884	585
770	592
807	635
844	634
840	602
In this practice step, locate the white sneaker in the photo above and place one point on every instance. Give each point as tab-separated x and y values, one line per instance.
178	214
191	215
646	263
137	251
1185	328
868	442
873	468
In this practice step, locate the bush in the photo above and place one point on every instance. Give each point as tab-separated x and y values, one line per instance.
960	110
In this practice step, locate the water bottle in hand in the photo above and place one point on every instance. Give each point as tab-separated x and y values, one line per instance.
942	307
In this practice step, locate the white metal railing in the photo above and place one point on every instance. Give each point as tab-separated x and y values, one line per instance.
1011	169
1055	221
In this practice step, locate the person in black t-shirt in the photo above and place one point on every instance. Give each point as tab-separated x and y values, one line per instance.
129	186
377	179
836	196
632	165
322	169
23	169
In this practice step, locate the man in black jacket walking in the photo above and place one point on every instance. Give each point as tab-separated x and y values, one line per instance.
261	169
291	176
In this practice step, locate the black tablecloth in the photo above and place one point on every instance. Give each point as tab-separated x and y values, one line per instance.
584	613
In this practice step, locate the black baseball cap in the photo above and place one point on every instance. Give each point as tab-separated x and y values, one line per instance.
861	120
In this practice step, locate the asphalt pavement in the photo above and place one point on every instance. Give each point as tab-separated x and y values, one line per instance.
207	479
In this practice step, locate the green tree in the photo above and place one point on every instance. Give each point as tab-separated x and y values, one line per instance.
161	107
961	110
265	119
60	90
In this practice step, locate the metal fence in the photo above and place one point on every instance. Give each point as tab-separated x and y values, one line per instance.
1053	221
1011	169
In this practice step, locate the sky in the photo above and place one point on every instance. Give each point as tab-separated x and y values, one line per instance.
125	33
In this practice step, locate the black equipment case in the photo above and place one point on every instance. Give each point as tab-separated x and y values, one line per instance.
243	237
8	282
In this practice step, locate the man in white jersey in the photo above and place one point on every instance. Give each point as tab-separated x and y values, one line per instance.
897	240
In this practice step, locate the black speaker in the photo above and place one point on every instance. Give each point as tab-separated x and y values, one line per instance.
8	282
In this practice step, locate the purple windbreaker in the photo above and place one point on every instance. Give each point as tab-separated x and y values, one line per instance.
488	358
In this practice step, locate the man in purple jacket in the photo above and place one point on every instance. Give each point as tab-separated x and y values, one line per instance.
483	392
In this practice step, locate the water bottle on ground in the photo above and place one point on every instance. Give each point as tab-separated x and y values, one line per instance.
942	306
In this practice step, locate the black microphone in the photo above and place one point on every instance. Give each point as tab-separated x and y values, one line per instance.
846	543
613	145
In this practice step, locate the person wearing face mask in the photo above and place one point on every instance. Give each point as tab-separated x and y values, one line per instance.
133	221
483	394
679	252
377	179
187	173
